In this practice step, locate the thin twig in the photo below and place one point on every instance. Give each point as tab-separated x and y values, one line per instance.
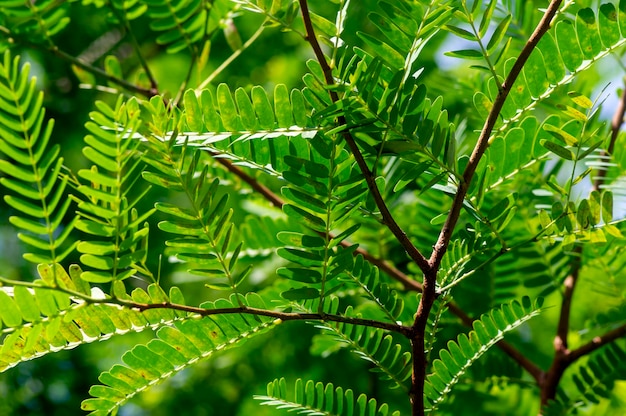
231	58
283	316
133	40
81	64
597	342
616	125
388	219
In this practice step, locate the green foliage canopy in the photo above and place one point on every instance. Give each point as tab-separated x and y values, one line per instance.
384	200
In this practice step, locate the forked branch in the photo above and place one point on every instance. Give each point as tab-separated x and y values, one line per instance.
563	356
439	249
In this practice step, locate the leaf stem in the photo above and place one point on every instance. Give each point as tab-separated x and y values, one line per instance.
231	58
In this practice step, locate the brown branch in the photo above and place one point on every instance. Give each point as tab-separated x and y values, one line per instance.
616	124
386	267
283	316
563	357
418	352
388	219
441	245
596	343
560	341
254	184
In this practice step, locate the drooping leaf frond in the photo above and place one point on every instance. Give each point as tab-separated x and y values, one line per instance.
175	347
183	23
251	129
373	345
460	354
568	49
367	277
321	197
39	320
107	210
312	398
406	26
391	116
37	21
204	236
32	167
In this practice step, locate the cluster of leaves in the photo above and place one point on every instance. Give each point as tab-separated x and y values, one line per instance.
353	170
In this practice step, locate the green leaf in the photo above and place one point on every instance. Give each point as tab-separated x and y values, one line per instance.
262	108
587	31
498	34
465	54
282	106
465	34
553	66
301	240
487	332
300	274
486	19
558	149
304	258
569	49
304	217
580	100
607	206
594	207
583	215
382	50
228	111
305	200
9	312
560	134
193	113
608	25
